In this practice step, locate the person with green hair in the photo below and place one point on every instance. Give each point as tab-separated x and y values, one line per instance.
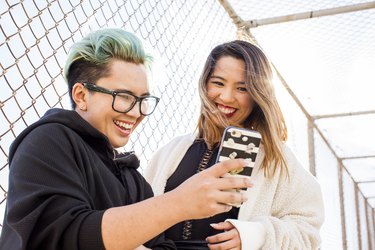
70	189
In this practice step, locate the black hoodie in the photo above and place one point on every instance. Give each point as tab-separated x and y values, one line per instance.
63	175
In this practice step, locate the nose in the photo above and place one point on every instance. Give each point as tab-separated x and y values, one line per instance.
227	95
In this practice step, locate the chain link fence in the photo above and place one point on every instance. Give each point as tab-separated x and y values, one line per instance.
35	37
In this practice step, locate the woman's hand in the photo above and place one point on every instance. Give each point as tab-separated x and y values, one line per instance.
230	239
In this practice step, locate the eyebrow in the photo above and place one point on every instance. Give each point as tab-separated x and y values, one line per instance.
131	92
223	79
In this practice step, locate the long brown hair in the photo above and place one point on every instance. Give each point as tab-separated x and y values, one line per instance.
266	116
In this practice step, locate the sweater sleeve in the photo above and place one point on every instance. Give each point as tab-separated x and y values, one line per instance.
296	215
48	204
165	161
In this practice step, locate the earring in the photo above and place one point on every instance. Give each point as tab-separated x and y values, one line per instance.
82	107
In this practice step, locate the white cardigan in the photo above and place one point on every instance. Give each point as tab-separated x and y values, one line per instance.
280	213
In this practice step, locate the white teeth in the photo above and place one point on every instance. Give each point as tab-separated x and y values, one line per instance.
226	110
123	125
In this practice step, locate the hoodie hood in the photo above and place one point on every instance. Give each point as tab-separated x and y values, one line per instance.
75	122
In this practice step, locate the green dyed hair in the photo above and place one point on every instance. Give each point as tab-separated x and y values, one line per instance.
89	59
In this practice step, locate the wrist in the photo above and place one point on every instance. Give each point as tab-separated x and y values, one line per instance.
175	208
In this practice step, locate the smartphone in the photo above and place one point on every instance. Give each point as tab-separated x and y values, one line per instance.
239	143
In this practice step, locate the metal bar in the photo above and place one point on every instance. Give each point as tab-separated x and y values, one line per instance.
232	13
366	181
342	205
369	244
311	147
310	14
359	236
360	191
304	111
367	112
357	157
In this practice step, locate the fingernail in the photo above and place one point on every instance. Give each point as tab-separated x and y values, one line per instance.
213	224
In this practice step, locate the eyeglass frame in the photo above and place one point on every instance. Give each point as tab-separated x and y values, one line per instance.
113	93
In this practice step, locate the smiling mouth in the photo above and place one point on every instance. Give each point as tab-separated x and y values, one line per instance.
123	125
227	111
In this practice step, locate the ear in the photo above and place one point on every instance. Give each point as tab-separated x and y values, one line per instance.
79	96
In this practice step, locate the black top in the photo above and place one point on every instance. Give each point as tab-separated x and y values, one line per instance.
199	229
63	175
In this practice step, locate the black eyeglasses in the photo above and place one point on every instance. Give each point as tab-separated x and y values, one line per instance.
124	101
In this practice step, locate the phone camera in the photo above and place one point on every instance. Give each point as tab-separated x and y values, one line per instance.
235	133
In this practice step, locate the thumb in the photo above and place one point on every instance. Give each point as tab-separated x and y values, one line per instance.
217	226
222	226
